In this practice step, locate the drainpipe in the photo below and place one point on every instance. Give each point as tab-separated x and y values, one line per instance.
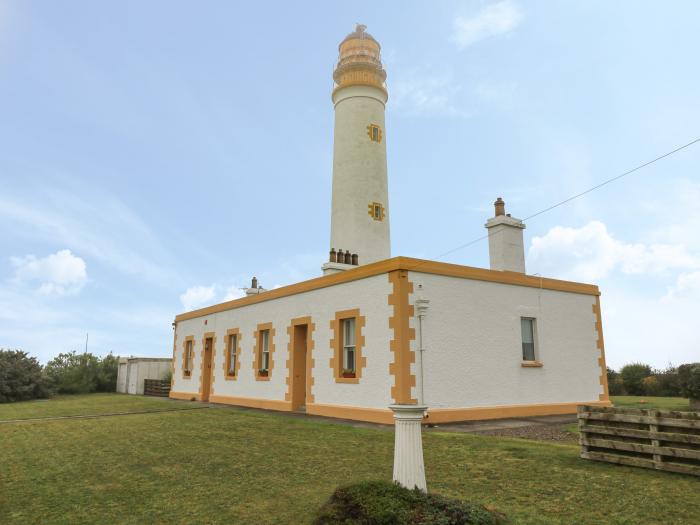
422	308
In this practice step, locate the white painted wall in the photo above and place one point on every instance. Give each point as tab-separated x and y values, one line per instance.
133	371
472	338
359	174
370	295
506	248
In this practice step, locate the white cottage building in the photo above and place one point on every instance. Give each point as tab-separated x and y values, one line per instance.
469	343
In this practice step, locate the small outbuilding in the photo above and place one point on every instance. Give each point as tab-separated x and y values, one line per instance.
134	370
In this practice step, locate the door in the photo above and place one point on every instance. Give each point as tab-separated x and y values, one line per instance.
132	377
299	367
206	368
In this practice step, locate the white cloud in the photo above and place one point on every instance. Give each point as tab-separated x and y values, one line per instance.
197	296
422	92
591	253
493	20
687	285
58	274
234	292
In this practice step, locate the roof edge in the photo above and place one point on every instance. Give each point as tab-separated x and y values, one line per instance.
398	263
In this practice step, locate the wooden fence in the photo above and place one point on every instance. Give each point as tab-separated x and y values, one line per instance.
156	387
658	439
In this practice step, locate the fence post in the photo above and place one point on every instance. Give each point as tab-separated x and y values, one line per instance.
653	429
581	423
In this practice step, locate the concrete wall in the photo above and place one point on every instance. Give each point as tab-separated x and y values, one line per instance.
473	352
369	295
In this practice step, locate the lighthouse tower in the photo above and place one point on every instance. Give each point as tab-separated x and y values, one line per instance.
360	205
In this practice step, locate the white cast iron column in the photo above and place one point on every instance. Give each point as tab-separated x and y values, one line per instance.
409	470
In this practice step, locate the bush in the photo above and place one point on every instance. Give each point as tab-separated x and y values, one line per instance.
689	380
107	373
668	382
615	387
384	503
21	377
73	373
633	378
651	386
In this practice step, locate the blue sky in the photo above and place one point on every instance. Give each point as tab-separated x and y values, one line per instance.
156	155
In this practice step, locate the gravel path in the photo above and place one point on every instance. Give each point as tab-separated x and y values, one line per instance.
555	433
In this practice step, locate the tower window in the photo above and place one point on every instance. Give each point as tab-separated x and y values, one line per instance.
376	211
374	132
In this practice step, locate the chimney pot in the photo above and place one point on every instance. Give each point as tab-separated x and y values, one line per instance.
500	206
332	255
254	283
355	259
348	257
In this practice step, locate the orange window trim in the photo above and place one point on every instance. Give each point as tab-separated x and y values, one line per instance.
336	342
310	362
257	350
237	351
600	344
391	265
206	336
400	344
184	356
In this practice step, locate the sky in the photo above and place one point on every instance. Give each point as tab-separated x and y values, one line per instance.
154	156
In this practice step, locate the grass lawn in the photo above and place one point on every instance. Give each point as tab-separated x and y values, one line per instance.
660	403
225	465
87	405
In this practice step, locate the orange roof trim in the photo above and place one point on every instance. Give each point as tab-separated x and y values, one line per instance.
393	264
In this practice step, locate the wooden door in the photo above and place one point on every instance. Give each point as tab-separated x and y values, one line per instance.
299	367
206	368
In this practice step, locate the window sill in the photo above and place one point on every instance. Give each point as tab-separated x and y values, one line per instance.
531	364
347	379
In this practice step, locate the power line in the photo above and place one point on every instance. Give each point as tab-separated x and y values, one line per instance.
589	190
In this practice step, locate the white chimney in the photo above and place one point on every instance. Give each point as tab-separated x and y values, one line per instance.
506	249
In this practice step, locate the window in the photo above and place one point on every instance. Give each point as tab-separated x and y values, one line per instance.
263	361
231	354
374	132
188	358
347	344
348	364
527	327
264	350
376	211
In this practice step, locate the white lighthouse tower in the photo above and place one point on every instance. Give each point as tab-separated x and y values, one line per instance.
360	206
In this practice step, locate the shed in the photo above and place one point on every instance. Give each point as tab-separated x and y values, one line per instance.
134	370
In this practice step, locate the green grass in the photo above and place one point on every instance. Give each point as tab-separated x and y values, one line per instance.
660	403
225	465
86	405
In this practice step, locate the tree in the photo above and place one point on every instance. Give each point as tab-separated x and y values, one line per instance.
21	377
633	378
107	373
689	379
73	373
615	386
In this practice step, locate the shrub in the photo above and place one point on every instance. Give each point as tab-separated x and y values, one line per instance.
668	382
615	387
107	373
384	503
21	377
651	386
689	379
633	378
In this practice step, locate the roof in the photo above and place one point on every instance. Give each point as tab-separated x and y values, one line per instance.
399	263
